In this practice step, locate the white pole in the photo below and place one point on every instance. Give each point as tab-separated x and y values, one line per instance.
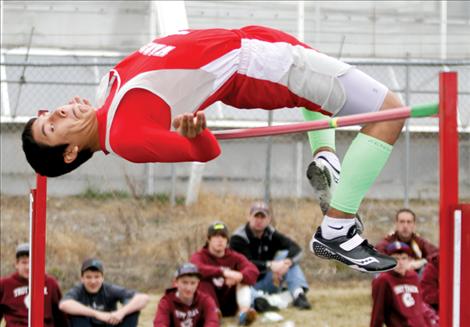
30	278
444	29
197	169
299	169
457	267
316	37
6	111
153	21
301	20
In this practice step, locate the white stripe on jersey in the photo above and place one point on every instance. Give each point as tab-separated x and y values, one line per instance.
305	72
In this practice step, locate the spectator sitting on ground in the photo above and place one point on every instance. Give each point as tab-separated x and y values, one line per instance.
405	231
430	282
94	303
183	305
15	296
396	296
275	255
226	275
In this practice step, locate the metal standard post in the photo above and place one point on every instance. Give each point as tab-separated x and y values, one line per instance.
38	253
448	172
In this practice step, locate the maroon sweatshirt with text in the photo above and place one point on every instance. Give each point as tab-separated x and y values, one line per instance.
397	302
213	282
172	312
15	300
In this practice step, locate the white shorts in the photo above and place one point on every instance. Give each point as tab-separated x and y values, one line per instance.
314	80
363	93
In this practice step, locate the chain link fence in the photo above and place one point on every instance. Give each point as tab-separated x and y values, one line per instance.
253	167
118	210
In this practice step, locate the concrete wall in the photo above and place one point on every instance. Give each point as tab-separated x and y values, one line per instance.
239	170
388	29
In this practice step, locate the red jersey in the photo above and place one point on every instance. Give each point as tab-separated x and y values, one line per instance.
14	302
253	67
171	312
397	302
212	281
430	282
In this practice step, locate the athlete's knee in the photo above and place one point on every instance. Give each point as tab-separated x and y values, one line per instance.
391	101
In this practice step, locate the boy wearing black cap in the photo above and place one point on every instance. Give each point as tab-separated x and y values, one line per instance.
396	295
226	274
183	305
15	300
94	303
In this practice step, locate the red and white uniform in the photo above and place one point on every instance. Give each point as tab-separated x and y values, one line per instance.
253	67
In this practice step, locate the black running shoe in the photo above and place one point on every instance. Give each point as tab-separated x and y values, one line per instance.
352	250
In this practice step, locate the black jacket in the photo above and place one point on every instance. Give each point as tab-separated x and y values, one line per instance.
261	250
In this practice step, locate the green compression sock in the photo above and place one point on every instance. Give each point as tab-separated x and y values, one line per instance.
361	165
321	138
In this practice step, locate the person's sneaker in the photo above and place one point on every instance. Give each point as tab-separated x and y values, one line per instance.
301	302
262	305
352	250
246	318
323	177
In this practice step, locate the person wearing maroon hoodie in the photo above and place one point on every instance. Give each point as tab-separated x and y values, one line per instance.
226	275
15	299
183	305
430	282
405	231
396	295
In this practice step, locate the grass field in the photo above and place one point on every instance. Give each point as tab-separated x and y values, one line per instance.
142	240
344	304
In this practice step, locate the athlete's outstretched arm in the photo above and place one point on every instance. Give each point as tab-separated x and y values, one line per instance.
158	145
141	132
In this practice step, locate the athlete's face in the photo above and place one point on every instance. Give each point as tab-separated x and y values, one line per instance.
65	125
22	266
187	286
405	226
92	280
258	222
217	244
403	263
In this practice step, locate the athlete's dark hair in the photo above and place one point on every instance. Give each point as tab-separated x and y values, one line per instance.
49	160
411	212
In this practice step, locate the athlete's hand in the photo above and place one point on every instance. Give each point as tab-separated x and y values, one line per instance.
189	126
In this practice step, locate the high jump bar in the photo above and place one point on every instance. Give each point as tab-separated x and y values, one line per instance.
424	110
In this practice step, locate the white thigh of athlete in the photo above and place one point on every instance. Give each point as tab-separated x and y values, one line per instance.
363	93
